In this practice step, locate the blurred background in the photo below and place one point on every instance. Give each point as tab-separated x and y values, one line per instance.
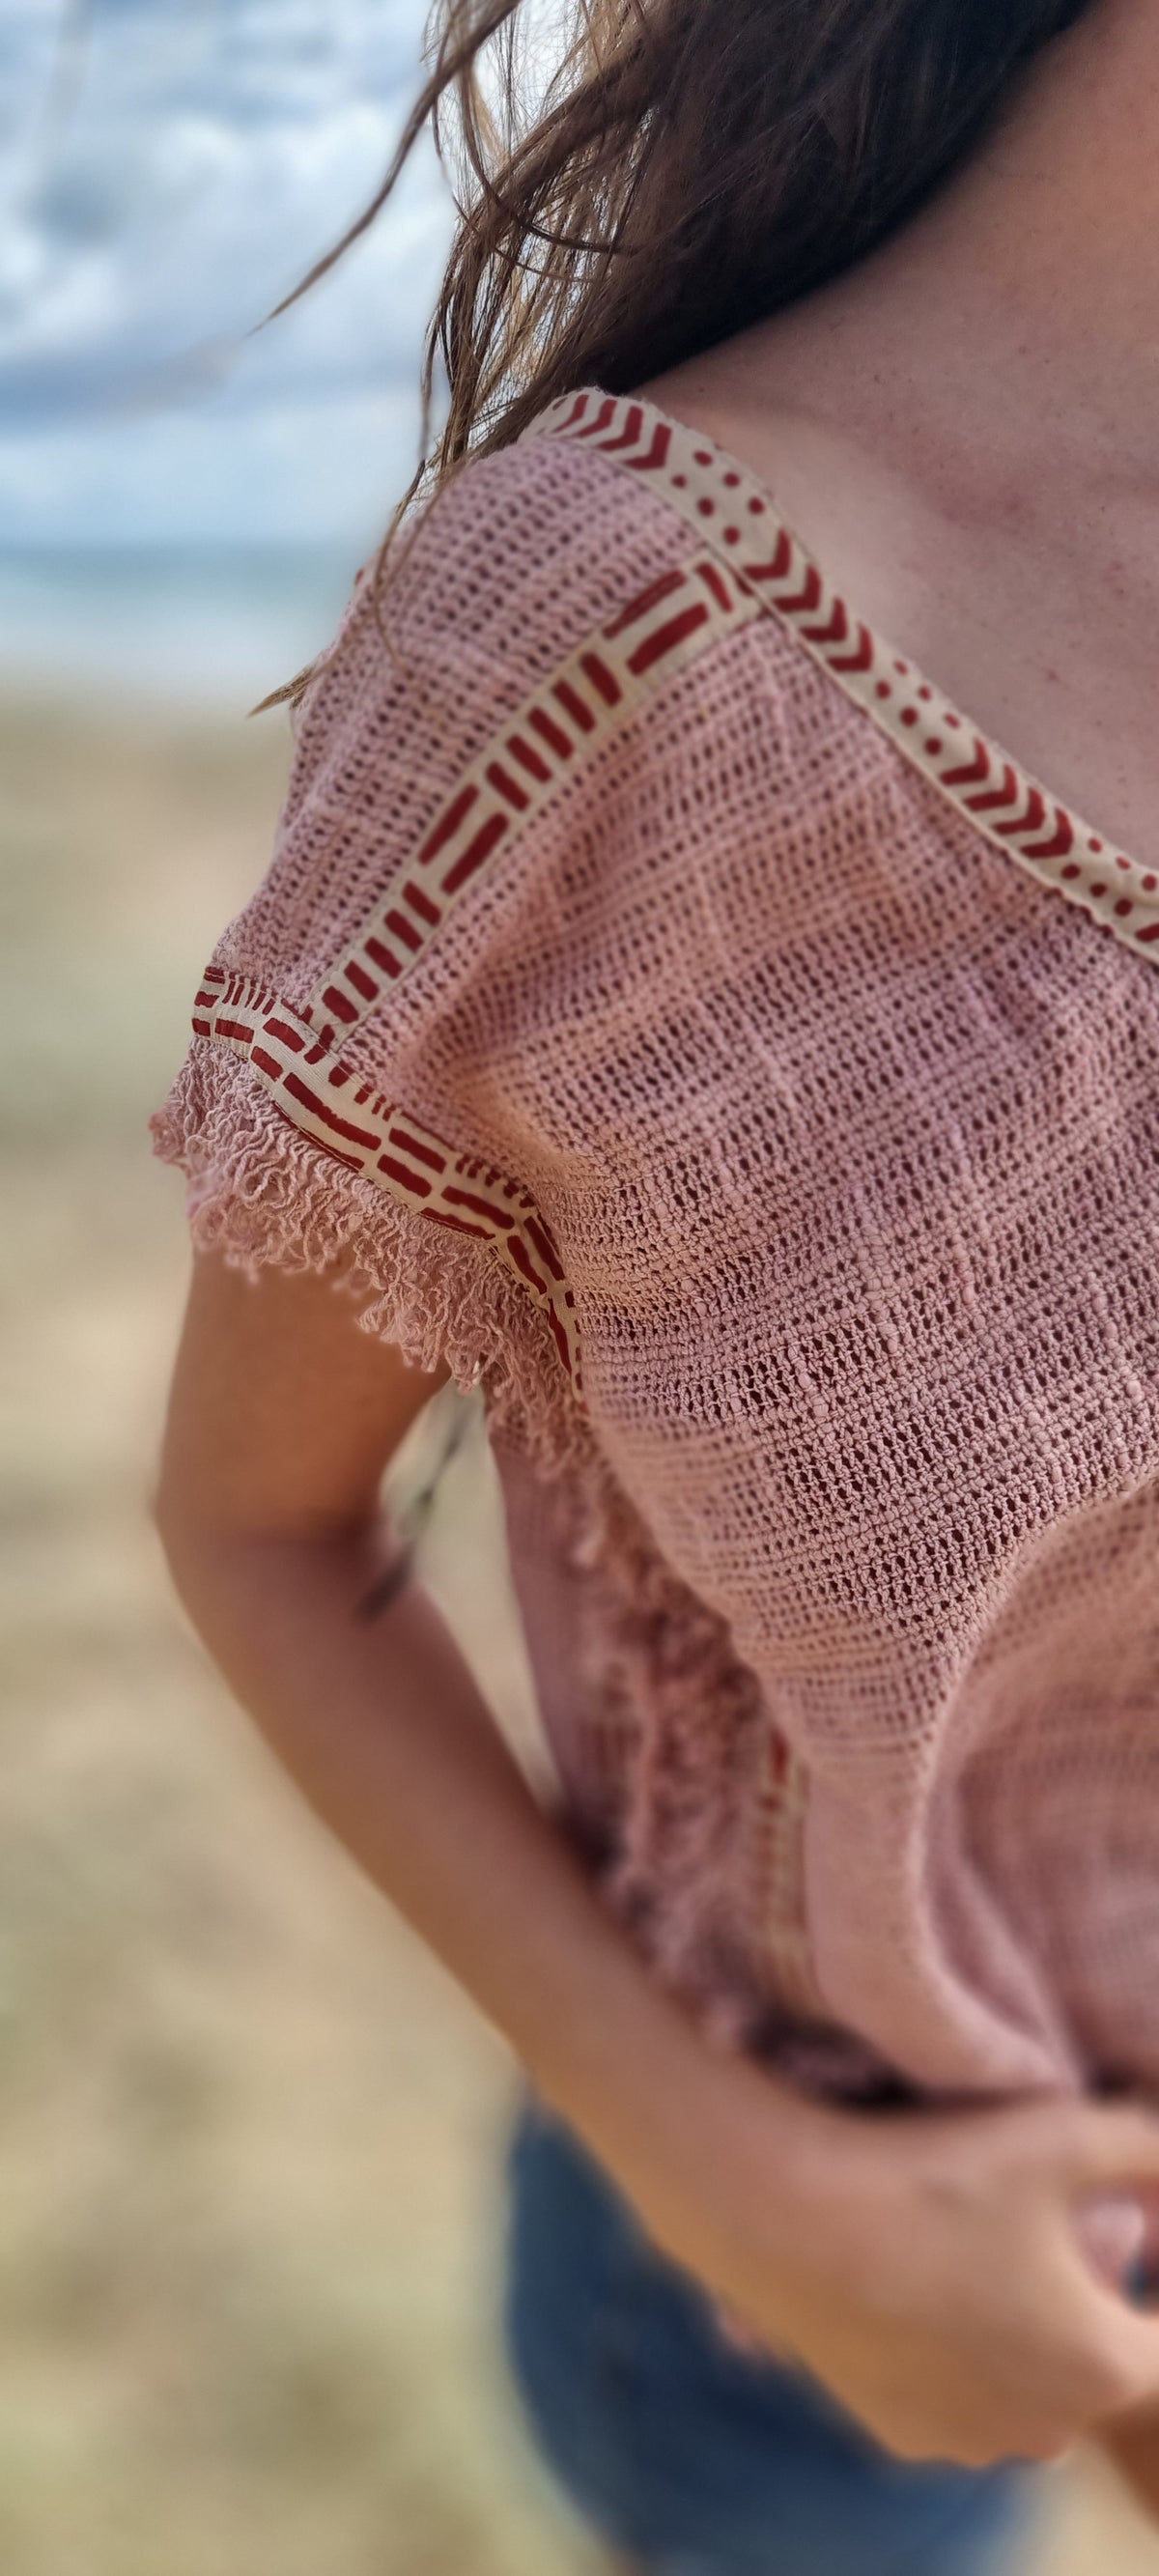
250	2137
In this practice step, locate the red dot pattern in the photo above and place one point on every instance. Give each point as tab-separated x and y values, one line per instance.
999	800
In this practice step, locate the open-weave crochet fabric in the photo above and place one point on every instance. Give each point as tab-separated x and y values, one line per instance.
689	1026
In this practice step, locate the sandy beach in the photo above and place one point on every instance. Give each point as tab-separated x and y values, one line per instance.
251	2135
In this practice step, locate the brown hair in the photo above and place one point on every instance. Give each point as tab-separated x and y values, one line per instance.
690	166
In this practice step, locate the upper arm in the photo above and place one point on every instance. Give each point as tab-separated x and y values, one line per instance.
282	1412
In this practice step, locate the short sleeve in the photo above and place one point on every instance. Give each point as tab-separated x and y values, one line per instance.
355	1088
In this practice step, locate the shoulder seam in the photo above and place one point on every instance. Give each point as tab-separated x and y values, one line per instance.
609	676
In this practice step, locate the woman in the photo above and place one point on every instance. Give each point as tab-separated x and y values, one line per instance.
684	1011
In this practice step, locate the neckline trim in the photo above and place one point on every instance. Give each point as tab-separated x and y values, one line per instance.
735	514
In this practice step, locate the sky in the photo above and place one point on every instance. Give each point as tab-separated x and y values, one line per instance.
170	168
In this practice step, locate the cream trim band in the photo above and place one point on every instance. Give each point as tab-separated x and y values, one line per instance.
346	1118
737	517
602	684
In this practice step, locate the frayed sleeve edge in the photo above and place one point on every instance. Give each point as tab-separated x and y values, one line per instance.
262	1193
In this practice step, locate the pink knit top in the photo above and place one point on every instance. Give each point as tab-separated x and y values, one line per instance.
692	1028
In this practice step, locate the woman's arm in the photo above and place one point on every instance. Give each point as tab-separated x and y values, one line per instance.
1132	2442
927	2269
282	1416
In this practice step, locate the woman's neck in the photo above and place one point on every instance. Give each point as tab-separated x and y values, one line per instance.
1012	325
1045	240
987	381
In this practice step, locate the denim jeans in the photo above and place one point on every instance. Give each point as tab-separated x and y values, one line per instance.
690	2456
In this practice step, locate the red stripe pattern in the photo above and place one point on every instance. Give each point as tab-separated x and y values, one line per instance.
347	1119
737	518
604	682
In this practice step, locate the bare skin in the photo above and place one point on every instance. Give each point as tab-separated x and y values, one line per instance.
926	2267
965	427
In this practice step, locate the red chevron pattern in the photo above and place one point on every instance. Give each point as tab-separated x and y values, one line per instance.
738	519
344	1116
603	682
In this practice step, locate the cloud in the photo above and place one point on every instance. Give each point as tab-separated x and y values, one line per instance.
170	178
276	473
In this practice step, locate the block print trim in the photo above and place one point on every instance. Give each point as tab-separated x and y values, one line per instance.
737	516
664	628
347	1119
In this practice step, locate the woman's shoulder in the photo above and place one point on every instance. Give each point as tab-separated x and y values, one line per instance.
534	609
524	551
468	714
360	1076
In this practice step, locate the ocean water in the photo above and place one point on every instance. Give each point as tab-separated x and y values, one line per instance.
209	627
